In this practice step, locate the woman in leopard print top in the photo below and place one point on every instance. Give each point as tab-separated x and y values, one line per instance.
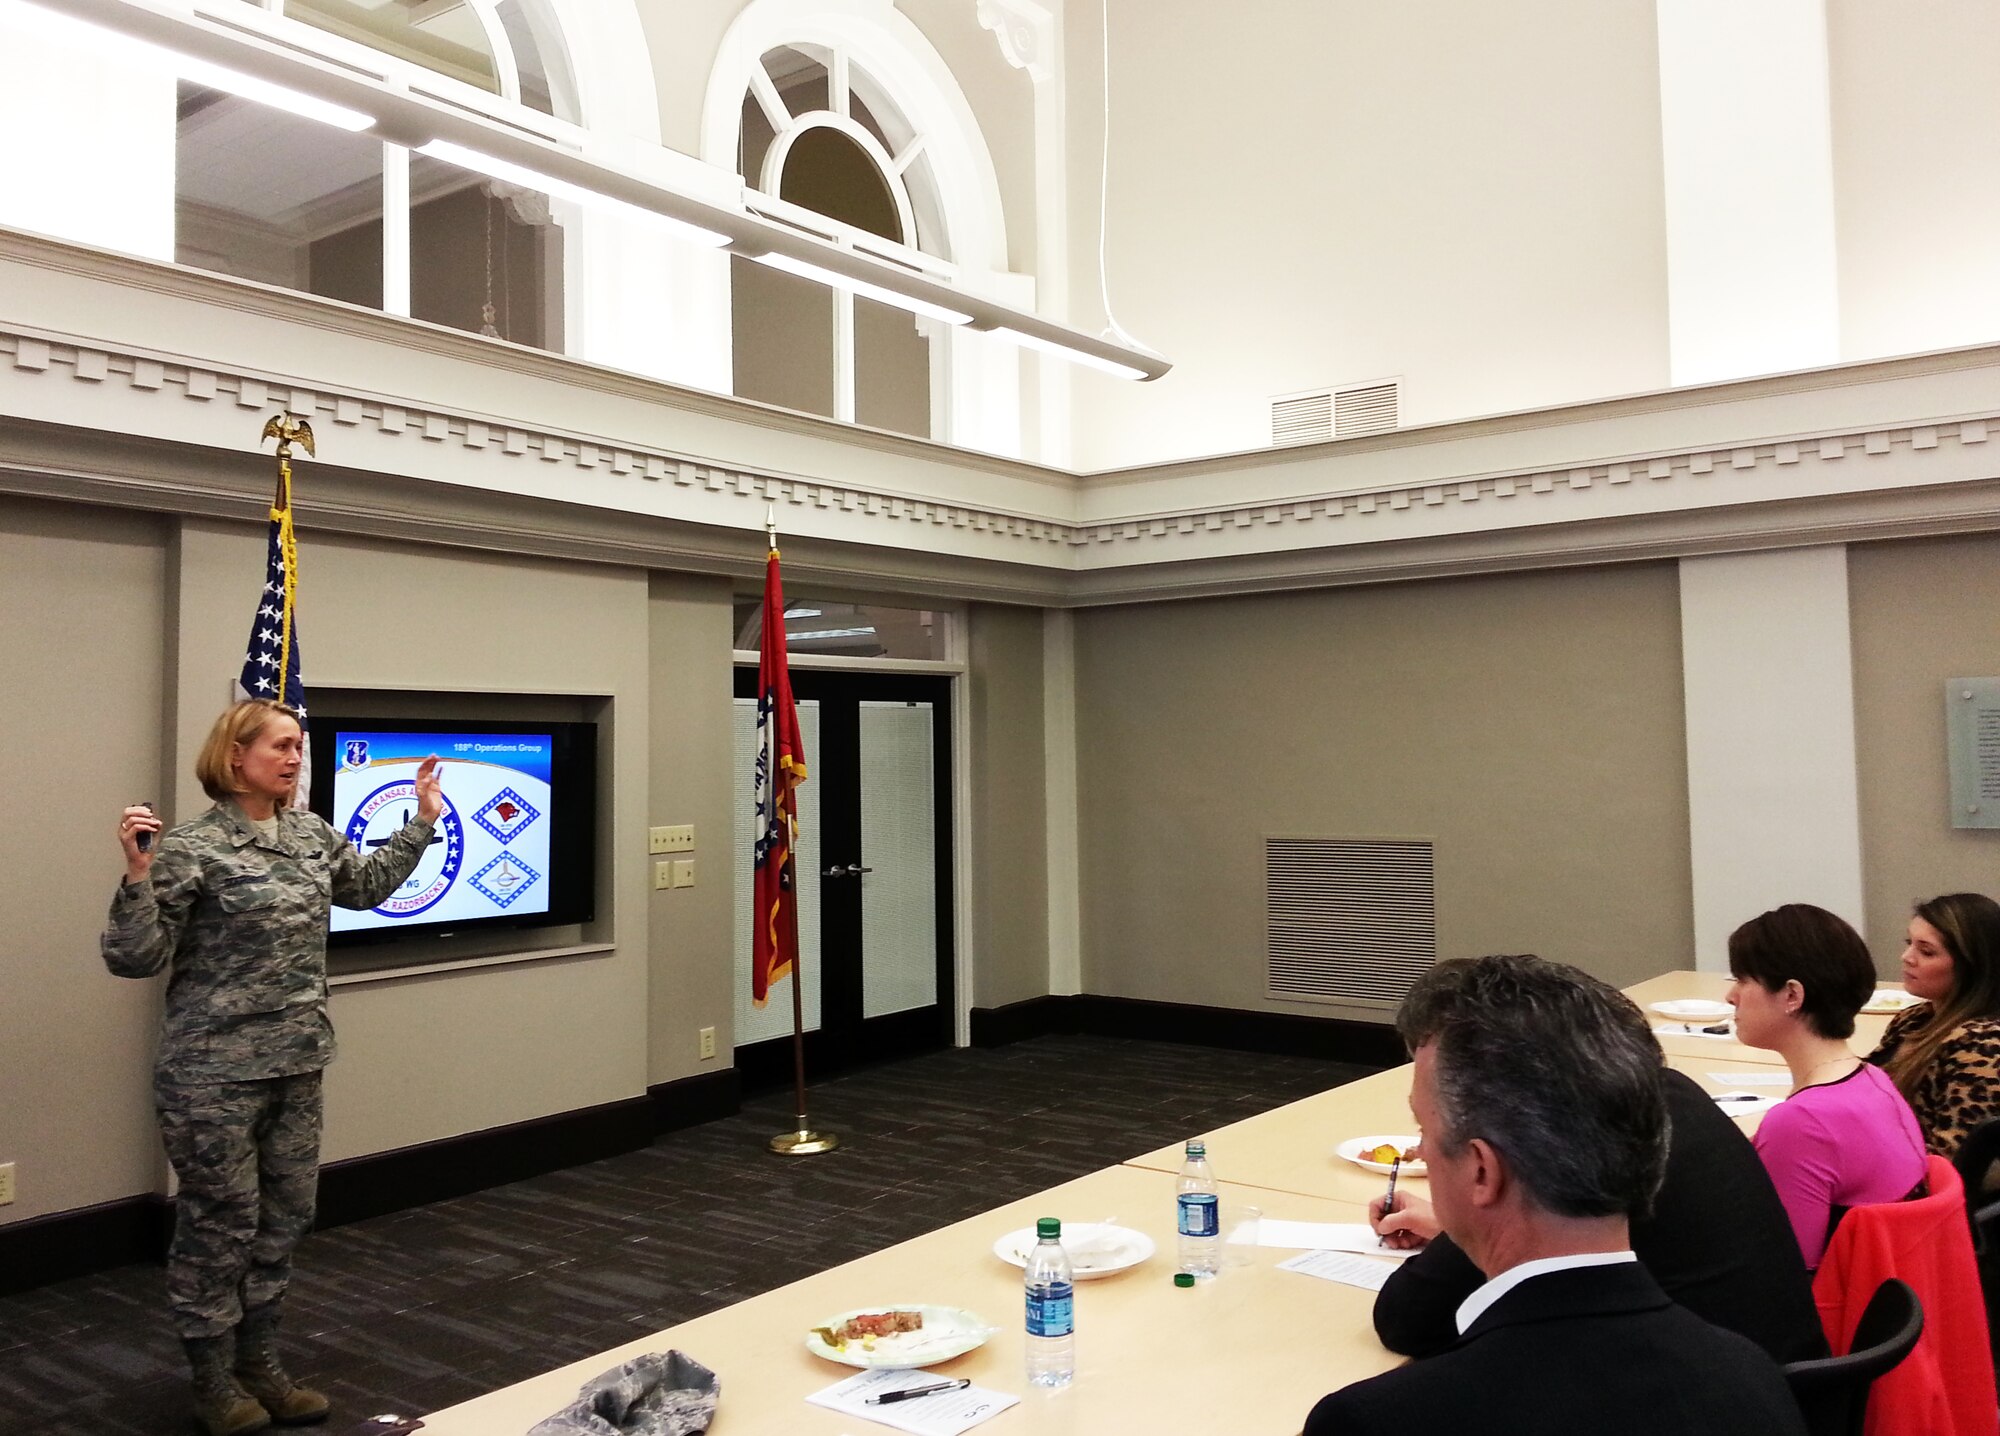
1944	1053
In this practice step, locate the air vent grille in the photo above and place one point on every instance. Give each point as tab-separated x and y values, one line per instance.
1323	414
1349	919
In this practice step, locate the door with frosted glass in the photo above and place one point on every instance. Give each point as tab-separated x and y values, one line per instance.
874	874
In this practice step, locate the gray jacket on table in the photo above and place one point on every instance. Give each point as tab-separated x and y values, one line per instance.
242	920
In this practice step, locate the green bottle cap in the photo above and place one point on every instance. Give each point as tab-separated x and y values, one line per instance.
1048	1228
1183	1278
1196	1147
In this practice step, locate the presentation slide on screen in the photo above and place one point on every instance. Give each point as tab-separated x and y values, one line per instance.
488	854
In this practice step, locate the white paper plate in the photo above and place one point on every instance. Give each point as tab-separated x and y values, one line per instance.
1746	1104
1695	1009
1094	1249
947	1331
1890	999
1353	1148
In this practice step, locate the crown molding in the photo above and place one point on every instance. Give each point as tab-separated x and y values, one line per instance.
1885	449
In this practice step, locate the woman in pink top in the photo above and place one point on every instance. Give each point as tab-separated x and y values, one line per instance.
1845	1137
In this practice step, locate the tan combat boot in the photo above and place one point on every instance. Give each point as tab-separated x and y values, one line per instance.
222	1407
264	1377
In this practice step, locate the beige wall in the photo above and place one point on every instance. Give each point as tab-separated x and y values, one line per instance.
82	591
1531	725
1915	112
1923	611
1464	194
1010	927
693	934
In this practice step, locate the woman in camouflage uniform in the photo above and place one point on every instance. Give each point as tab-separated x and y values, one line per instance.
235	902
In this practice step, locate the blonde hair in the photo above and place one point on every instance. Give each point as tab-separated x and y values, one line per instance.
239	723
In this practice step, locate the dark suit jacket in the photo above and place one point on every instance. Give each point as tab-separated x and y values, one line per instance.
1718	1241
1570	1353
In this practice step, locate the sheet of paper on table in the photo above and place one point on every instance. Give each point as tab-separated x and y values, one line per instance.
1324	1237
1346	1267
1778	1078
944	1414
1691	1029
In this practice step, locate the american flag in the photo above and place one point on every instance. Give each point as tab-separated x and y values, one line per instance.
271	659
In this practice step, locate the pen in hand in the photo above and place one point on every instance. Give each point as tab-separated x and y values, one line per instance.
1389	1201
907	1393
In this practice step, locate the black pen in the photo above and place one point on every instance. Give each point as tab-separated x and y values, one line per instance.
1389	1202
907	1393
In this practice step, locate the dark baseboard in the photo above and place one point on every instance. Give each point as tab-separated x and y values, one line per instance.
1018	1021
1290	1034
372	1186
62	1245
690	1101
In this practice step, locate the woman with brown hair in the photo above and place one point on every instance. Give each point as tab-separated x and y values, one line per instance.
1944	1053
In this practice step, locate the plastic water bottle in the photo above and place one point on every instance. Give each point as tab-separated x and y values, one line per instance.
1051	1308
1200	1217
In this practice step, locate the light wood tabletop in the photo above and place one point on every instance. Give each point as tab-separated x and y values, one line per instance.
1291	1148
1249	1351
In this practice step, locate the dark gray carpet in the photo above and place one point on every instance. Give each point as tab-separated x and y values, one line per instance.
432	1306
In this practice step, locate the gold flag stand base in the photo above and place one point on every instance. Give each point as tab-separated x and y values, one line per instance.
803	1143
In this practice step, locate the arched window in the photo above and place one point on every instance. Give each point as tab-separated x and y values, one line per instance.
824	148
270	197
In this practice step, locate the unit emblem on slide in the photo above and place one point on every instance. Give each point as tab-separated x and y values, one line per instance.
504	879
376	820
355	755
505	814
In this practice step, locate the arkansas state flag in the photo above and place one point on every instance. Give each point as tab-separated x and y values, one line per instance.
781	767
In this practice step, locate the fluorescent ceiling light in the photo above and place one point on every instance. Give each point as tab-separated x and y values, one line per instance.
482	163
802	613
1063	351
837	280
828	633
66	28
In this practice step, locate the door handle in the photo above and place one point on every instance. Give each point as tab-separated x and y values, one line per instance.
855	870
852	870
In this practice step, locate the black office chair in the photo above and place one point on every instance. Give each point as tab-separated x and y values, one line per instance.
1833	1391
1974	1160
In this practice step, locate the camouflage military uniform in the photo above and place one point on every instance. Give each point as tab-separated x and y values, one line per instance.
242	920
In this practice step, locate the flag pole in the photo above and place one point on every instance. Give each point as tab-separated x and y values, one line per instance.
803	1141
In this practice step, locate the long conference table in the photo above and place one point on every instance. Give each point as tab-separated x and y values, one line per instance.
1249	1351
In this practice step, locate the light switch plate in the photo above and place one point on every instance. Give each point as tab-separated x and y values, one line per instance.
663	876
683	872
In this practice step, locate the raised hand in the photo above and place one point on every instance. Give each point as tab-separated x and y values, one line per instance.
132	822
430	790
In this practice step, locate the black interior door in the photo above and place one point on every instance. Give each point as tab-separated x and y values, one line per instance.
884	782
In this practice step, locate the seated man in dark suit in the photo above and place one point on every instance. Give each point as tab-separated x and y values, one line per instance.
1714	1241
1538	1092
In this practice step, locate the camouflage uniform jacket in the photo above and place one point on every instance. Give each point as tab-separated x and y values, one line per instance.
243	921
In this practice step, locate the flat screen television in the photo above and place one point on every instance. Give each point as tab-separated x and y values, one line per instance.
515	845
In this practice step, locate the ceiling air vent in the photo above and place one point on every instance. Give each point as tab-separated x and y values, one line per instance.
1349	919
1322	414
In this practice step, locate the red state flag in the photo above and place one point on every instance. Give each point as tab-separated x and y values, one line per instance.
781	767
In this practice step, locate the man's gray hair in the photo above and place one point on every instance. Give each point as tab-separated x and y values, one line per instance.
1559	1072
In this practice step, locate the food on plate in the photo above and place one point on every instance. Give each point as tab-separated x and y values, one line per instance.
1387	1154
881	1323
869	1325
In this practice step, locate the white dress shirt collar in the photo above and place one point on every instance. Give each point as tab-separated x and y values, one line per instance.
1474	1306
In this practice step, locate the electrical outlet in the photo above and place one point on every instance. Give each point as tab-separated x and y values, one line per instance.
663	876
708	1041
7	1169
683	872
